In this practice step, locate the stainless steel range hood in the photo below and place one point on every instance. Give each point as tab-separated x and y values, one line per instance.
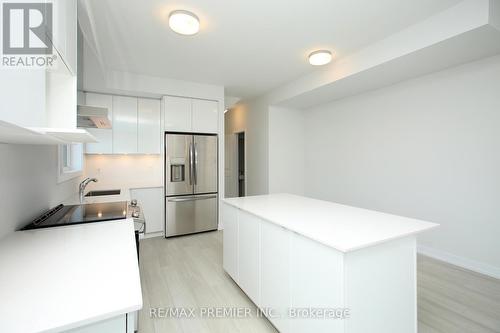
92	117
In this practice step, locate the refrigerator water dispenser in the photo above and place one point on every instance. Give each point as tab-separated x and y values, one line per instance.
177	173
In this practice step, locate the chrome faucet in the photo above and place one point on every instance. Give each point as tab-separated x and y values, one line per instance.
83	185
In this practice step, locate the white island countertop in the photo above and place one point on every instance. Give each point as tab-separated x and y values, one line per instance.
344	228
59	278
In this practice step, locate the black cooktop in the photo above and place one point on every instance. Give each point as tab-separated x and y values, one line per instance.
77	214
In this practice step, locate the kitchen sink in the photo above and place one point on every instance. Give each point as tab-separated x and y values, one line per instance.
100	193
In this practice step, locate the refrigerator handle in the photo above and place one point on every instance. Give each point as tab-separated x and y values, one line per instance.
214	196
195	164
191	164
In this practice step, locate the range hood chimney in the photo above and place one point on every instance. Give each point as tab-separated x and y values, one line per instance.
92	117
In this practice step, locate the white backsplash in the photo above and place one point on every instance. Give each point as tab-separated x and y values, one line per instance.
28	184
124	171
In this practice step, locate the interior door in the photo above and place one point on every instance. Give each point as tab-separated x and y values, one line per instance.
179	162
205	161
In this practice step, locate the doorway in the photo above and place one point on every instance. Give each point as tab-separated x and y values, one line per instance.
241	164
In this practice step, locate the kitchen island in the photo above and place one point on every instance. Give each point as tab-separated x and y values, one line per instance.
317	266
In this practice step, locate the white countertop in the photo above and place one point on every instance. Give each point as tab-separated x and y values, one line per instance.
59	278
342	227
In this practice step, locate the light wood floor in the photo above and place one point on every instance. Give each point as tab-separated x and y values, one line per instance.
187	272
452	299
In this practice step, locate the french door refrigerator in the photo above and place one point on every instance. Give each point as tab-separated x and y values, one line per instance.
191	179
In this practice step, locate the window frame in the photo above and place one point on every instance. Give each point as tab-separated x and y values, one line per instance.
69	161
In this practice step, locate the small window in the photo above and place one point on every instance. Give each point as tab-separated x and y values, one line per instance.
70	161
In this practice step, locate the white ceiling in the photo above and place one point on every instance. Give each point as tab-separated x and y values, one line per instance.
248	46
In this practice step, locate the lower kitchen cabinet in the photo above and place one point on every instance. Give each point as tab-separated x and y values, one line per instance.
280	270
256	254
275	274
230	239
315	283
290	276
151	202
249	255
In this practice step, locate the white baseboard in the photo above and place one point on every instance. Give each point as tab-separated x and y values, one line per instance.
472	265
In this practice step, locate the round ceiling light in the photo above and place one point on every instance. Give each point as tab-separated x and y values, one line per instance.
320	57
184	22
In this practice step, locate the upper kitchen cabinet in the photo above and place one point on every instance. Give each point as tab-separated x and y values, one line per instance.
205	116
149	126
178	115
190	115
124	125
42	100
135	125
104	136
64	36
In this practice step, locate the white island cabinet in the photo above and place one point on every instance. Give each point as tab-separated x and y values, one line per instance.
317	266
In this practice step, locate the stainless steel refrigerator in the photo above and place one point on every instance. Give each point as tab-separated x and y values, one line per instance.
191	179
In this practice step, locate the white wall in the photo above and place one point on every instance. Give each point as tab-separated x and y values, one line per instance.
257	154
286	150
253	118
124	171
28	184
235	121
428	148
274	147
99	79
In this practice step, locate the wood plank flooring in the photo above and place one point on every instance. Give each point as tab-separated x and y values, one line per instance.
452	299
187	272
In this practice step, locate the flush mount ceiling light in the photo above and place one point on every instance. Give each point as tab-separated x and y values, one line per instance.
184	22
320	57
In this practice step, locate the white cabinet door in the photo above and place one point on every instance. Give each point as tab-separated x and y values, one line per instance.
249	255
230	240
316	282
177	114
124	125
275	274
104	136
104	144
151	202
205	116
64	36
149	127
